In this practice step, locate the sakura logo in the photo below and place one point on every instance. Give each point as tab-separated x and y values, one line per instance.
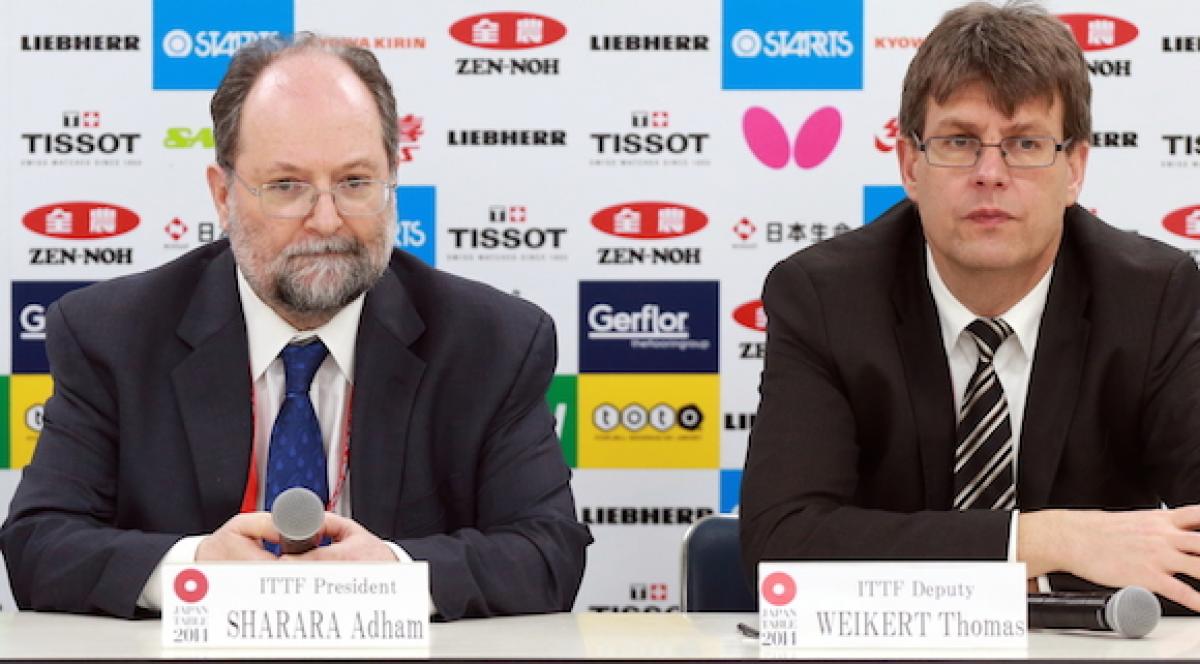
769	142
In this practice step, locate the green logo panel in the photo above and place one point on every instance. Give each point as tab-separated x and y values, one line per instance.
563	405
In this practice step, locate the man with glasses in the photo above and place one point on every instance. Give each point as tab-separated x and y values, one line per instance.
986	371
302	351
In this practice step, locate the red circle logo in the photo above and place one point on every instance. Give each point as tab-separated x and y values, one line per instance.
778	589
191	585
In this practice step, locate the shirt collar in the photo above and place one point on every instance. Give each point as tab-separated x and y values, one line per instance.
267	333
1025	317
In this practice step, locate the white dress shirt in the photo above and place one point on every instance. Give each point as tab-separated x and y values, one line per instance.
331	393
1013	361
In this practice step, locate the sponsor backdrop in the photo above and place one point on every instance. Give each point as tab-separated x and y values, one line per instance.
634	168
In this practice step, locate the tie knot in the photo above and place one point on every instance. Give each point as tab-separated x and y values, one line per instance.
300	364
989	333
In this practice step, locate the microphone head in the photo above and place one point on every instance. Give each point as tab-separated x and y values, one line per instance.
298	514
1133	612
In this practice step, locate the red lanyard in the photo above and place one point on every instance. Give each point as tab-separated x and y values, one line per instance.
250	497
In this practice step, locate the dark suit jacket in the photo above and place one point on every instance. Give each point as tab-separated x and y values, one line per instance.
147	438
851	452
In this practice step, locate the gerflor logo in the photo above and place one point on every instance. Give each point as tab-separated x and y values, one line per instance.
769	143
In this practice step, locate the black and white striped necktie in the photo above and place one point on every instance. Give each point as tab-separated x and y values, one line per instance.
983	456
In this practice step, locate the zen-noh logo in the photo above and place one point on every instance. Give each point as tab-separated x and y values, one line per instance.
649	220
751	315
80	220
1096	32
1184	222
191	585
508	30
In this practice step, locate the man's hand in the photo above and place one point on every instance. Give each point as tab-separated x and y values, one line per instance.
240	538
351	542
1140	548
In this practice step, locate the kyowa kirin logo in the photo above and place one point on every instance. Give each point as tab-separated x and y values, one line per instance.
649	220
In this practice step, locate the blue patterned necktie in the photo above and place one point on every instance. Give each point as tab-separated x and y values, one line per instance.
296	456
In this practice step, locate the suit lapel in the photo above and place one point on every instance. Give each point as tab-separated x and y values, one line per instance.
1057	371
926	372
213	392
386	376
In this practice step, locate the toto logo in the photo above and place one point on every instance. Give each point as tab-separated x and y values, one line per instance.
751	315
1096	32
1184	222
191	585
649	220
778	589
80	220
507	30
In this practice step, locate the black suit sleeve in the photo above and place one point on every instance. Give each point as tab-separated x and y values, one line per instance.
62	547
526	551
801	482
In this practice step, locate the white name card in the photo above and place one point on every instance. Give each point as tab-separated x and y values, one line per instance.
295	605
890	605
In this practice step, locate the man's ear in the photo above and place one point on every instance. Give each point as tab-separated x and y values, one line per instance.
907	155
218	188
1076	166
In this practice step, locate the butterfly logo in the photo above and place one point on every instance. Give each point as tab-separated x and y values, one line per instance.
768	140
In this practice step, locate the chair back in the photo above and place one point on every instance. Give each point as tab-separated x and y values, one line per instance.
713	577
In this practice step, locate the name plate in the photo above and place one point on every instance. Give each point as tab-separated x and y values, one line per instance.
243	605
890	605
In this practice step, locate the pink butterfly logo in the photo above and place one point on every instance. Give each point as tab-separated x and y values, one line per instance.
769	143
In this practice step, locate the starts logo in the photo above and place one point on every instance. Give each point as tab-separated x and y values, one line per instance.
194	42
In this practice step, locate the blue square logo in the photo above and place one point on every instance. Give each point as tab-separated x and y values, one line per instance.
648	326
878	198
731	491
792	45
416	212
30	300
194	41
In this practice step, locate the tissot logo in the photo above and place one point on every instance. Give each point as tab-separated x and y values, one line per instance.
751	315
80	138
1096	32
506	138
510	232
80	220
187	137
649	220
649	42
80	42
653	140
642	516
507	30
1181	144
1184	222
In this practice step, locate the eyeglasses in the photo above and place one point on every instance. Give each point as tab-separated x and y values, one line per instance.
1017	151
294	199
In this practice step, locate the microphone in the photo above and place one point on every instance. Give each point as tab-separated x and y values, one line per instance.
1132	611
298	515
